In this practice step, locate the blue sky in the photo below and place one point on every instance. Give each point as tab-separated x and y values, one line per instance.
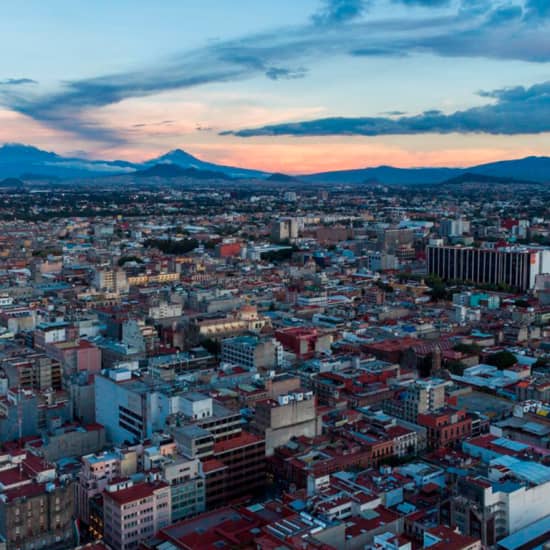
287	85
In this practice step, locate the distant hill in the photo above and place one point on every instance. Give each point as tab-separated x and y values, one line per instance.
17	159
385	174
11	183
185	160
471	177
175	171
29	176
535	169
526	169
283	178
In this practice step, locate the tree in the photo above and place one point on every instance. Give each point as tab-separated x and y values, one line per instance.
438	288
170	246
124	259
502	360
469	349
211	346
456	367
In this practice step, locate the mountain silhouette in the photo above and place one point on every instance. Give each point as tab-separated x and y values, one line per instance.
17	160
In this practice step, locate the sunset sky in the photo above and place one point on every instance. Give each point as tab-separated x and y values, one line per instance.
292	85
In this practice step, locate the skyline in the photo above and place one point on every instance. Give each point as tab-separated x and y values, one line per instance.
314	87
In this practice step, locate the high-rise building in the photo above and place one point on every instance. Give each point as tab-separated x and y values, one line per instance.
284	229
454	228
515	267
111	280
393	238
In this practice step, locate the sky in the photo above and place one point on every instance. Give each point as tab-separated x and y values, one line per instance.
294	86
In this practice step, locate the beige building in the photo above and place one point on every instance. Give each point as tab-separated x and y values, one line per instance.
111	280
288	416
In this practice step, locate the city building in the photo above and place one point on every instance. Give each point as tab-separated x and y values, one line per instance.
291	415
514	267
134	512
253	352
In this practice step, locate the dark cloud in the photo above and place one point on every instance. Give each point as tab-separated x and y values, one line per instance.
393	113
504	14
280	73
537	9
17	81
160	123
339	11
515	110
424	3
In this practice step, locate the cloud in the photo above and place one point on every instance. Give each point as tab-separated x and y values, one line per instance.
202	128
336	30
516	110
339	11
475	7
537	9
17	81
280	73
504	14
424	3
393	113
147	124
378	52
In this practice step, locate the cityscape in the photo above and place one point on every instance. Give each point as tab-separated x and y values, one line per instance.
246	303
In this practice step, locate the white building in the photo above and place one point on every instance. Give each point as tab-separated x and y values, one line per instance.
252	352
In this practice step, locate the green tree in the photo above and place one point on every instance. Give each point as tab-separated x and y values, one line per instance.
470	349
456	367
502	360
211	346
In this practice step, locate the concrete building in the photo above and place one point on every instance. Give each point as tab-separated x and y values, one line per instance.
30	369
232	460
284	229
76	356
515	267
454	228
422	396
291	415
445	428
96	472
304	342
218	326
132	408
36	509
19	414
111	280
380	261
187	486
134	512
394	238
512	493
253	352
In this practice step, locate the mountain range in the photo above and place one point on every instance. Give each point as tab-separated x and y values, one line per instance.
28	162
